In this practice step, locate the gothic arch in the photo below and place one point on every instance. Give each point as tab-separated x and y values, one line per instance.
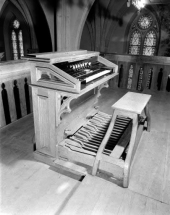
10	12
26	14
22	8
147	10
36	24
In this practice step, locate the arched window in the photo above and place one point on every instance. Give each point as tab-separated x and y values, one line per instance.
149	45
18	36
135	42
143	35
17	40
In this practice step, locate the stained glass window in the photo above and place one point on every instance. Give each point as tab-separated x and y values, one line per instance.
20	38
16	24
14	45
17	40
143	35
145	22
149	43
135	43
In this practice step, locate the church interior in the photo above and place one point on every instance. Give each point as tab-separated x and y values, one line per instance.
85	107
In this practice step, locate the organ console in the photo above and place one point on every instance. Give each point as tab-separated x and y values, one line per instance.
69	128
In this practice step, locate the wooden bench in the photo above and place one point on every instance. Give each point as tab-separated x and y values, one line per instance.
131	105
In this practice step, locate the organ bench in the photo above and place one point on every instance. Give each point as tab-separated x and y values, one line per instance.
131	105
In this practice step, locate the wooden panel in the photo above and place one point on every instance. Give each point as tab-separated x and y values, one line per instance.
2	115
44	119
165	77
121	73
146	69
124	79
20	83
156	69
9	87
30	92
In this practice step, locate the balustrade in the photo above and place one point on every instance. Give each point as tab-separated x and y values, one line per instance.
15	96
136	73
141	73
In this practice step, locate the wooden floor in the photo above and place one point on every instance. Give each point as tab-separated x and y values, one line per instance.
32	188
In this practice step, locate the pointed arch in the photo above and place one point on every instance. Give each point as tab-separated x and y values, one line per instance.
146	24
11	13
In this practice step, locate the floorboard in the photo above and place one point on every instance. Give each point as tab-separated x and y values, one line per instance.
96	196
29	187
148	172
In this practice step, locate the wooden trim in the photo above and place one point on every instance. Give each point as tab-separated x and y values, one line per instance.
130	151
103	144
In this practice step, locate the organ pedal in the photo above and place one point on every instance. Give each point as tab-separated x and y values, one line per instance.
108	143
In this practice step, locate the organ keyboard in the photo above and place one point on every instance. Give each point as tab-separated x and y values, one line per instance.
71	71
69	127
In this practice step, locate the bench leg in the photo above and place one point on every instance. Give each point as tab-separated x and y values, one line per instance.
148	117
130	155
103	144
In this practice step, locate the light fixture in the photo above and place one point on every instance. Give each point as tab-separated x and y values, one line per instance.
139	4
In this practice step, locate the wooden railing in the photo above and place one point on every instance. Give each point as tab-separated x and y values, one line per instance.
139	73
15	96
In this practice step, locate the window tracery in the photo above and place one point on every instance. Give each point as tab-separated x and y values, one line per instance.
135	42
143	37
145	22
149	44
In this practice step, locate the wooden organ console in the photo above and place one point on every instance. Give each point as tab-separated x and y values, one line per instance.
69	128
